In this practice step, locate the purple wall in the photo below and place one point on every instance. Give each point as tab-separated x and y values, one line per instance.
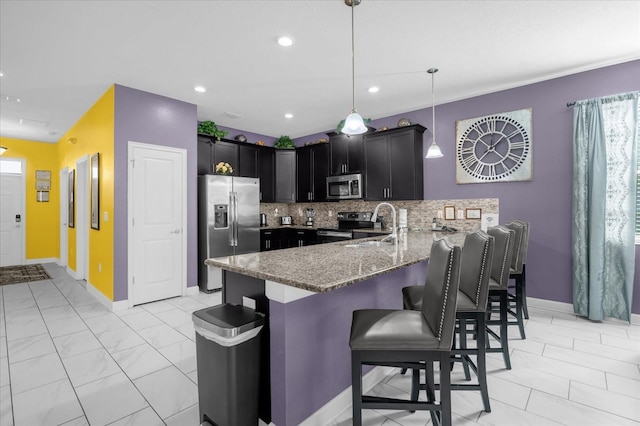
314	331
546	200
153	119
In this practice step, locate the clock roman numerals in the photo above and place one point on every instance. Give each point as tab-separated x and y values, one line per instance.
494	148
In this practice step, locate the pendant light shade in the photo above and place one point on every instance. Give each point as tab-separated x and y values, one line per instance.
434	149
2	150
353	124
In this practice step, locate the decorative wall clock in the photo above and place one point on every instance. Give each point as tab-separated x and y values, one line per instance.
494	148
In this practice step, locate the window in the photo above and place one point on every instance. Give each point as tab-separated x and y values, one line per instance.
13	167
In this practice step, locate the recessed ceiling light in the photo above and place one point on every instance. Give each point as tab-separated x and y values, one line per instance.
9	98
288	115
199	89
285	41
1	74
233	115
374	89
35	123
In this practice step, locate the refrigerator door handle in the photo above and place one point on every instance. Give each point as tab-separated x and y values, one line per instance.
233	219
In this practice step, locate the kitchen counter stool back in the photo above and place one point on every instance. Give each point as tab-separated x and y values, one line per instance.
498	288
518	294
475	273
394	337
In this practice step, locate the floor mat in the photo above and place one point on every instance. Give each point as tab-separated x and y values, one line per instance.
22	274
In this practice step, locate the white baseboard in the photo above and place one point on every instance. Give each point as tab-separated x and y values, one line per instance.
42	260
120	305
192	291
332	409
552	305
98	295
73	273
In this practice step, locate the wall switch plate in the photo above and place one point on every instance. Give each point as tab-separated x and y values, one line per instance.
460	214
439	214
105	216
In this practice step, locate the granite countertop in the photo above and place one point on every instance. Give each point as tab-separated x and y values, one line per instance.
325	267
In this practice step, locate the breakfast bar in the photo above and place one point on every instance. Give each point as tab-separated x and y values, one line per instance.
309	294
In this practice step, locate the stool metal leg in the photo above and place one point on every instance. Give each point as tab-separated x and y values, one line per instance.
356	388
504	340
482	361
519	306
463	346
523	291
445	391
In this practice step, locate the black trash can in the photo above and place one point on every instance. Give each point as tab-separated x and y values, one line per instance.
228	357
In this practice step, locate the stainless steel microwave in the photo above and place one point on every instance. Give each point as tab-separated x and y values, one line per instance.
344	187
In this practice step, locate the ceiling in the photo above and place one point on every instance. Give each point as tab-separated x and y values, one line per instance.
59	57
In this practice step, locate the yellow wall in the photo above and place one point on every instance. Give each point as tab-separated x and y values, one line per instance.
41	219
94	132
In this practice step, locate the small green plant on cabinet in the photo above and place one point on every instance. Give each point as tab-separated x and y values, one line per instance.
284	142
210	128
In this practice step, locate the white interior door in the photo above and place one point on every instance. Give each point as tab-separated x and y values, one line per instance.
64	215
157	210
82	218
12	218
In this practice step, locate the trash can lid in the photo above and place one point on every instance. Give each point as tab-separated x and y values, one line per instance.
228	320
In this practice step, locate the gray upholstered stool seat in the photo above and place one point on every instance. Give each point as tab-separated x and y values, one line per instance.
383	329
399	337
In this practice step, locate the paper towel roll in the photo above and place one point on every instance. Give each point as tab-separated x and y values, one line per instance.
403	218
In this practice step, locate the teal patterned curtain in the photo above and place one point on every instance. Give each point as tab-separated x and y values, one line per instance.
605	135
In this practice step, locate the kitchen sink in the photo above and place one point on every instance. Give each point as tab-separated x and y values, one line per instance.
370	244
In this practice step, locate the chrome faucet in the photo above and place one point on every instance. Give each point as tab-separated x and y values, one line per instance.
394	234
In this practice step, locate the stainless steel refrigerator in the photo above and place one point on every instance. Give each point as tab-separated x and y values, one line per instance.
228	222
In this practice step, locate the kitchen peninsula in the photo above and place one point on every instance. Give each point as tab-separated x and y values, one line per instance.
309	294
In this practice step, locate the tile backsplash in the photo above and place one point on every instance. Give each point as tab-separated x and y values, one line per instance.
420	214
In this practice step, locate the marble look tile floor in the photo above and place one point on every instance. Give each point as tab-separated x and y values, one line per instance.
67	360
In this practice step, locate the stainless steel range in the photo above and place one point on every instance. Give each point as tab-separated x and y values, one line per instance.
347	223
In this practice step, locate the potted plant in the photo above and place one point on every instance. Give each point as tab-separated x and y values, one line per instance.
284	142
210	128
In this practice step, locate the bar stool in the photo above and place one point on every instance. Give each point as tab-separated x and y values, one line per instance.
391	337
498	284
516	298
519	275
475	272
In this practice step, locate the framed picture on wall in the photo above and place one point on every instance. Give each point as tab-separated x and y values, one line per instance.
72	181
95	191
449	213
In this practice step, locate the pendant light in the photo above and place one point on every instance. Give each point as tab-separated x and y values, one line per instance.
353	124
434	149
